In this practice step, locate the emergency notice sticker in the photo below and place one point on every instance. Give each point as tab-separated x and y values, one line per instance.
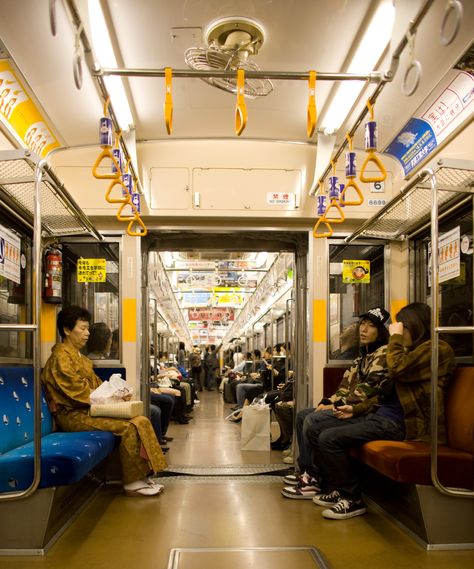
91	270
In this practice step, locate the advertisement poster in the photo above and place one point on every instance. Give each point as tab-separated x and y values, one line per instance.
355	271
91	270
10	249
449	265
450	104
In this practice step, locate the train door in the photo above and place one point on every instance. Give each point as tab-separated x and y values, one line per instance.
196	313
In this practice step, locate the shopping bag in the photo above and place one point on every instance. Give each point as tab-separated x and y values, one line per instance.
116	390
255	433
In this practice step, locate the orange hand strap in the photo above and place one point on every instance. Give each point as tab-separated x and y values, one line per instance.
129	217
372	157
141	231
168	106
327	233
240	107
335	206
124	197
106	153
312	113
351	184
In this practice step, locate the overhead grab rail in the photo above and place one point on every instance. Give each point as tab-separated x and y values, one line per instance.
34	328
435	332
386	78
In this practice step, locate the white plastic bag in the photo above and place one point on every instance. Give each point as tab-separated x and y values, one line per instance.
255	433
116	390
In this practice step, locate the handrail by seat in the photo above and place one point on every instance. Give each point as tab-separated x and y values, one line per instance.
35	329
435	331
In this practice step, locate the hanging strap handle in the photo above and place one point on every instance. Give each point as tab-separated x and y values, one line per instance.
168	105
125	197
371	156
141	232
334	206
312	113
129	217
326	233
240	107
351	183
106	153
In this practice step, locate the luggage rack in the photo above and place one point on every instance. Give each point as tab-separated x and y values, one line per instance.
60	214
411	208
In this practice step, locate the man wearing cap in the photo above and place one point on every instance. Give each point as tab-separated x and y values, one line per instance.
360	382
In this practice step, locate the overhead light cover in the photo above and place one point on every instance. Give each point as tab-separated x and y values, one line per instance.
104	52
369	51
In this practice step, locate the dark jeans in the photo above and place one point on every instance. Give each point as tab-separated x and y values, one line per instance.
161	409
312	424
196	377
332	449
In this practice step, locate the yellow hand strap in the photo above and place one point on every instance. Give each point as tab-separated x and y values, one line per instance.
334	205
124	198
351	184
327	233
372	157
240	107
129	217
106	153
141	232
168	106
312	113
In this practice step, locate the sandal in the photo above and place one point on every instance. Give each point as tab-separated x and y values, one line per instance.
144	489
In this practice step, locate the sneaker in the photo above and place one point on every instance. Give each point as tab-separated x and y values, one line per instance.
328	499
293	479
345	509
302	491
287	452
288	460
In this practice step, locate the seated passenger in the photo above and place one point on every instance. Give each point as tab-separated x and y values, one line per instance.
401	410
361	381
69	379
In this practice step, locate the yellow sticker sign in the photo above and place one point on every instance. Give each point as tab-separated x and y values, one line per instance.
91	270
20	112
355	271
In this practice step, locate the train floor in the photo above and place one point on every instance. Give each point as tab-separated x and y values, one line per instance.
213	519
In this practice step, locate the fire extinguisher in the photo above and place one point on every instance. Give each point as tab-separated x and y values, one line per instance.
53	275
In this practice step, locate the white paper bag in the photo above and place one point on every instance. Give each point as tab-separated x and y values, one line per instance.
255	433
116	390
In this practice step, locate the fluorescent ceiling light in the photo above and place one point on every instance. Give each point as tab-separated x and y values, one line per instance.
369	51
104	52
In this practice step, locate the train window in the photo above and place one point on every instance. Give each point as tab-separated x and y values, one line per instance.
15	289
456	292
356	284
94	283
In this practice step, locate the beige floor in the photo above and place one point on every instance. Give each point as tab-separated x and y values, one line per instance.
117	532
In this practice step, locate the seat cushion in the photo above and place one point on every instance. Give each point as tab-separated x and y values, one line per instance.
409	461
65	459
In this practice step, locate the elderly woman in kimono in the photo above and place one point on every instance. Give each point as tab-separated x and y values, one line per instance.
69	379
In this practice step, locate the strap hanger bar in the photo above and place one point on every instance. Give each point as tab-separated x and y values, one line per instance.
375	77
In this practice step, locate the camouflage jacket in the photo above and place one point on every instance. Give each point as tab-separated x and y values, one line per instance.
363	380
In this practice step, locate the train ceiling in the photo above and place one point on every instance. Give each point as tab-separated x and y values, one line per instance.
297	37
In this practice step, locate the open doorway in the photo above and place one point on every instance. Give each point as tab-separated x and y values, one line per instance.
240	293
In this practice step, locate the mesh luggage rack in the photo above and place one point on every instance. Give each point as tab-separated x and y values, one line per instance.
411	208
60	215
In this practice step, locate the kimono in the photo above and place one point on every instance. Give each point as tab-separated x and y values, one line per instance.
69	379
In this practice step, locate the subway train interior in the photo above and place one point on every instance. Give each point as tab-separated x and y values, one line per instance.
228	188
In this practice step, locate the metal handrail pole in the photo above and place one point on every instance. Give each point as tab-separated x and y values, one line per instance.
35	328
435	330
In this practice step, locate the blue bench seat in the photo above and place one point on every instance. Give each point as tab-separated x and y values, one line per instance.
65	457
